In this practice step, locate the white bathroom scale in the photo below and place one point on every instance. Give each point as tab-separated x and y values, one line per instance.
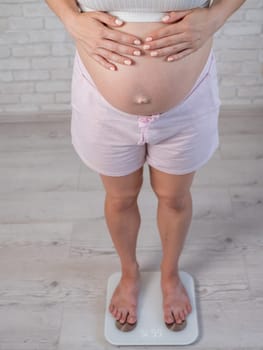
150	328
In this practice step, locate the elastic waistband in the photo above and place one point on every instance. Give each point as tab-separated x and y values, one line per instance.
136	16
132	16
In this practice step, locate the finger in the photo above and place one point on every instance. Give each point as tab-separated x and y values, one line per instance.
109	20
119	48
113	56
120	37
167	41
171	50
179	55
104	63
175	16
106	18
176	28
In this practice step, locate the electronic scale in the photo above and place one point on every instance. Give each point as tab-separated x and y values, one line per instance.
150	328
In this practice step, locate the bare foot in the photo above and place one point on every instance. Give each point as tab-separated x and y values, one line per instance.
123	305
176	303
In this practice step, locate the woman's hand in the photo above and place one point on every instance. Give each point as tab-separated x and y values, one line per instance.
187	32
92	32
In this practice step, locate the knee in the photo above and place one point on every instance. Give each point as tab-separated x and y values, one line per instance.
123	199
122	196
122	202
175	202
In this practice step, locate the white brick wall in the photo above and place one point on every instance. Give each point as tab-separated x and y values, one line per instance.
36	57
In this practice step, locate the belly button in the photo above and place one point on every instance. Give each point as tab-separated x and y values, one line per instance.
142	99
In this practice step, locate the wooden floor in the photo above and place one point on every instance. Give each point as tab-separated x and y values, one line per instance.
56	254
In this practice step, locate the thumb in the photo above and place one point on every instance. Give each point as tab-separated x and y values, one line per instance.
175	16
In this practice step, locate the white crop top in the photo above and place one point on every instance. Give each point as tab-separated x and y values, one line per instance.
140	10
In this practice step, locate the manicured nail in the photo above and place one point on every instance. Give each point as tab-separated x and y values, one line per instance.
118	21
154	53
112	68
166	18
127	62
137	53
137	42
170	59
149	38
146	47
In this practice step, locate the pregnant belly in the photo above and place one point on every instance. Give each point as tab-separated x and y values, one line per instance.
150	85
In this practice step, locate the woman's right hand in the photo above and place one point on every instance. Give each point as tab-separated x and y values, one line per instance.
90	31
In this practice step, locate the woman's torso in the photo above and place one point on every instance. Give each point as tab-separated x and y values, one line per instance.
163	84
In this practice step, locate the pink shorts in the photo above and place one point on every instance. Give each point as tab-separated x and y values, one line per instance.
115	143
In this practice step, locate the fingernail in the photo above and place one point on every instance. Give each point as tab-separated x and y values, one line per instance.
149	38
137	42
170	59
137	53
127	62
146	47
166	18
112	68
118	21
154	53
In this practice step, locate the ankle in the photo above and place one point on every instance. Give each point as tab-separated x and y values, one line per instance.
130	270
168	272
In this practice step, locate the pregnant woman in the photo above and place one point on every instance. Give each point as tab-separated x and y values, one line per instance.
145	89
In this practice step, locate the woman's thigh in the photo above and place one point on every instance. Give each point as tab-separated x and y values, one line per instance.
170	186
123	187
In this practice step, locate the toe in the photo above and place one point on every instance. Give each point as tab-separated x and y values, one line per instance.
123	317
177	317
118	316
169	317
188	308
131	319
132	316
115	312
182	316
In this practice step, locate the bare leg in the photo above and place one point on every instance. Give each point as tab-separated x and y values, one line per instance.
174	217
123	221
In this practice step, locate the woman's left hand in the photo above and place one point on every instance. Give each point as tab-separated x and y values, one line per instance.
187	32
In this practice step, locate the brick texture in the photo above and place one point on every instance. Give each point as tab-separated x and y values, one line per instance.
36	57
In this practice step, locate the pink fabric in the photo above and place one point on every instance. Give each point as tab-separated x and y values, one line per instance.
114	143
